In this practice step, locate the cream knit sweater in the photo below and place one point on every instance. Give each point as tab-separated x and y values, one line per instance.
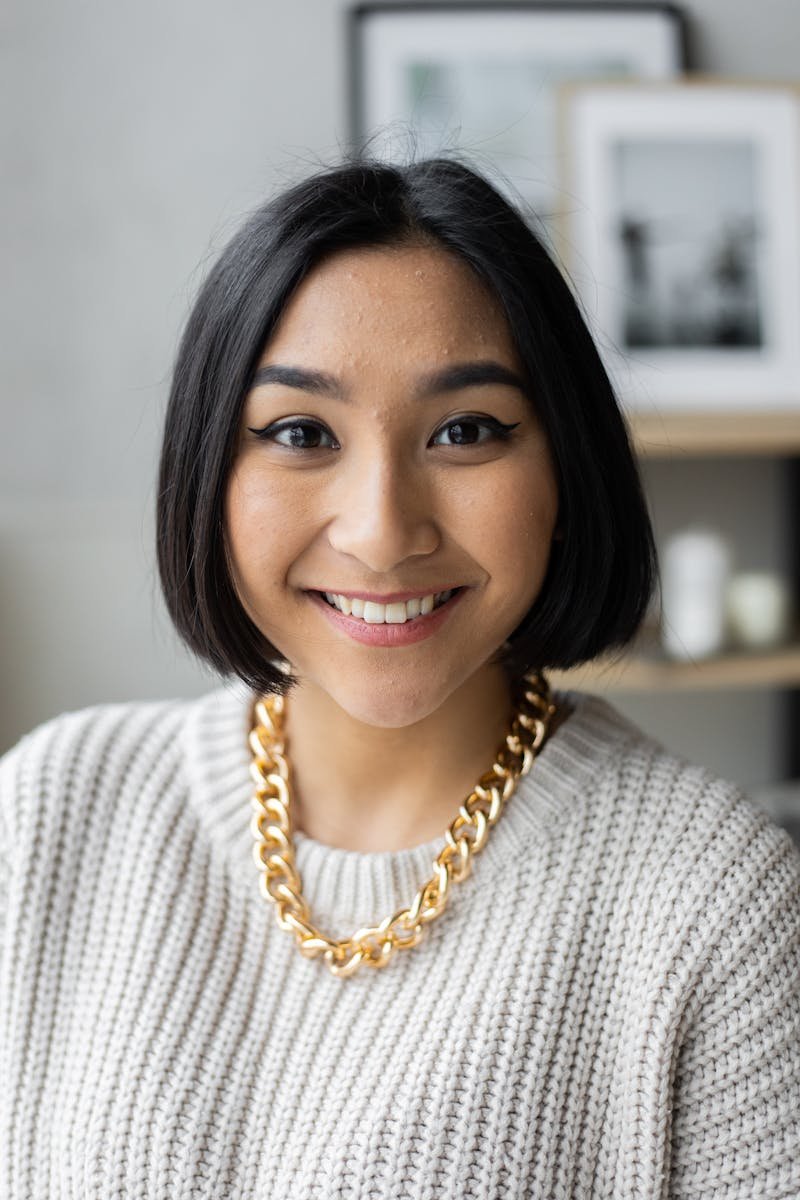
609	1007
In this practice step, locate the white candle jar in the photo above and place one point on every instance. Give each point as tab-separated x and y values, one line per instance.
694	582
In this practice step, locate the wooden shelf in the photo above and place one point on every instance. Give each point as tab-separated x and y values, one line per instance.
680	434
643	673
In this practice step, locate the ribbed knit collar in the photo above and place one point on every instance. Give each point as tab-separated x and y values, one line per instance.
348	888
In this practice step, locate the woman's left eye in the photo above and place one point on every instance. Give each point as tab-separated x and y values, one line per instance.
471	431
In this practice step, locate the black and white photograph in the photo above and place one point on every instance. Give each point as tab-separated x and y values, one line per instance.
679	230
688	237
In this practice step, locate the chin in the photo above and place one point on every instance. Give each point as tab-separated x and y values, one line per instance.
391	702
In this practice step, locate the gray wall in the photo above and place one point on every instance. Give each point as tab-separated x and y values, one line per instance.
135	137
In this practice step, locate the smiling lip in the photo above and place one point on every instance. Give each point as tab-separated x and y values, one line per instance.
406	634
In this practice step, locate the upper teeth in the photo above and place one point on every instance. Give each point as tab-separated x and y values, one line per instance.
396	613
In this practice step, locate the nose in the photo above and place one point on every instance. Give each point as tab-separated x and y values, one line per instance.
384	513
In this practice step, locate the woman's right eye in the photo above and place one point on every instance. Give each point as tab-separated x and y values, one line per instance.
298	433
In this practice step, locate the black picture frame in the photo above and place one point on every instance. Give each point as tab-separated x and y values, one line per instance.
376	73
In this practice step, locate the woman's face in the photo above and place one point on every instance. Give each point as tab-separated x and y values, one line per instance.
388	456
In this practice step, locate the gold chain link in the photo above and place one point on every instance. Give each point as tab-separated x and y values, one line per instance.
273	851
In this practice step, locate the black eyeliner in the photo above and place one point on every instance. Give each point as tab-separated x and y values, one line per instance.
501	429
274	428
498	428
288	423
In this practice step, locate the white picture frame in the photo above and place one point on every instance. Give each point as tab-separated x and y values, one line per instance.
682	237
483	78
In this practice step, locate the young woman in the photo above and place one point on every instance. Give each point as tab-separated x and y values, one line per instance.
474	940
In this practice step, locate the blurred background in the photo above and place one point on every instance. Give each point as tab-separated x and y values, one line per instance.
135	138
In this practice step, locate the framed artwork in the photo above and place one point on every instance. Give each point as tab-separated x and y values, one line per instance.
483	78
683	239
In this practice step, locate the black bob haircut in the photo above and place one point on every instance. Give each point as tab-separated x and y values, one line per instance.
602	568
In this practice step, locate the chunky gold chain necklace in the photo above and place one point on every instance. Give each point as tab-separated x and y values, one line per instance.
274	850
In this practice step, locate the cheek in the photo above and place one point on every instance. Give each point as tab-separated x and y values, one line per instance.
258	526
510	520
247	513
273	521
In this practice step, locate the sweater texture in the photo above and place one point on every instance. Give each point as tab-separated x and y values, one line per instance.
608	1007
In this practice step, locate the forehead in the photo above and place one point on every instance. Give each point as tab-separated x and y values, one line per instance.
384	304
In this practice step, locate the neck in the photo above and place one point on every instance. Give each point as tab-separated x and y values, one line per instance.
367	788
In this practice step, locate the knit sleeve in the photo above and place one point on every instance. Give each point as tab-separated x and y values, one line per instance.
21	771
6	801
736	1111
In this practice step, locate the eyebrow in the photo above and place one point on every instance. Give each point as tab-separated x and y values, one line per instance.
300	378
464	375
449	379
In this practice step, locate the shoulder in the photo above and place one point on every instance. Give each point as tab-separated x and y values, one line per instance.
88	739
90	757
685	841
628	776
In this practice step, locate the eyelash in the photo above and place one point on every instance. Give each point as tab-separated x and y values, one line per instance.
496	430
